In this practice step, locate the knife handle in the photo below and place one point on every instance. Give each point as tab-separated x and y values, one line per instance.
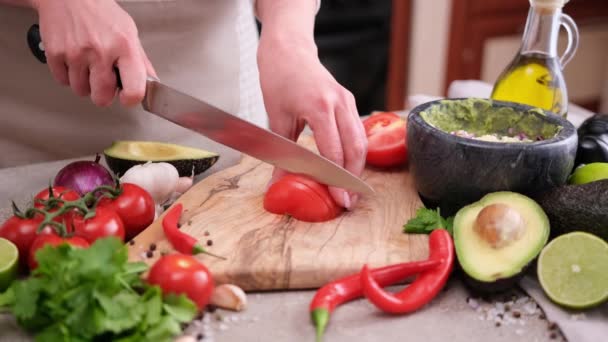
35	42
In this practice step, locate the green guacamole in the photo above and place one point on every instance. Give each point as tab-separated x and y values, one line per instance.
478	119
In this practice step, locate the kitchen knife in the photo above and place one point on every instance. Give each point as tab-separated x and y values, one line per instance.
232	131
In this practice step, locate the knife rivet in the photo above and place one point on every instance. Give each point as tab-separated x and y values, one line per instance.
41	46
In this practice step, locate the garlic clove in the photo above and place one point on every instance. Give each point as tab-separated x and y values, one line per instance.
230	297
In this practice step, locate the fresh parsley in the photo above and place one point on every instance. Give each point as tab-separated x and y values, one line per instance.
427	220
94	294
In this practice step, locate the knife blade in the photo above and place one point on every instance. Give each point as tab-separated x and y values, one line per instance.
232	131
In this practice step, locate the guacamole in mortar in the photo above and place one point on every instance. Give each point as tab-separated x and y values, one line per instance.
478	119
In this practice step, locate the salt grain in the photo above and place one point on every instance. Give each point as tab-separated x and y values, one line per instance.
519	331
473	303
223	327
530	308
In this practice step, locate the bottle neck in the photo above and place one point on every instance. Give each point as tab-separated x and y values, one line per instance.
541	33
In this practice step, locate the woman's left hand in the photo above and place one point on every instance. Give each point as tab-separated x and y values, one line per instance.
299	90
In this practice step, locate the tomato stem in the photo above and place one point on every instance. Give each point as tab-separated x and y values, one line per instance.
197	249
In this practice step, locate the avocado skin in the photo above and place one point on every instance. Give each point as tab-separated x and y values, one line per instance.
184	166
577	208
497	286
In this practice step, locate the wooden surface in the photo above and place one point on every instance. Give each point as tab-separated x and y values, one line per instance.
268	252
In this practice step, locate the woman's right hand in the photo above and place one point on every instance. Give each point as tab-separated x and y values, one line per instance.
84	40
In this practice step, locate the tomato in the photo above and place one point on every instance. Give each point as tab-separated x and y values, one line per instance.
63	193
53	240
135	206
58	192
386	139
22	232
182	274
106	222
302	198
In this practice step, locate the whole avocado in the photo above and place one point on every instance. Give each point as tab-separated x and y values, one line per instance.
581	207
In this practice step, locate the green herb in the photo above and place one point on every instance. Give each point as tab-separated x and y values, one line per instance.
427	220
89	294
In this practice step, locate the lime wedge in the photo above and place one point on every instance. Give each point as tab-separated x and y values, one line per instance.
9	258
573	270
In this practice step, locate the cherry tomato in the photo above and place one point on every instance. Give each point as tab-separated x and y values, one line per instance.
53	240
135	206
58	192
182	274
63	193
106	222
386	135
302	198
22	233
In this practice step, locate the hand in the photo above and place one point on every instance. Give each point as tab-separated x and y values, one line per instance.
83	41
298	90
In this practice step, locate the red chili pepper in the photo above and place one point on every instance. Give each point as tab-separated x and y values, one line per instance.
181	241
348	288
426	286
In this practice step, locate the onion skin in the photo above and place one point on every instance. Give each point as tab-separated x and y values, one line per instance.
83	176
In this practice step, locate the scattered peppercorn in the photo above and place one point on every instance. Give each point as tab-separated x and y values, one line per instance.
507	307
500	316
209	243
516	314
132	242
552	326
200	336
152	246
211	308
149	254
206	233
497	324
219	317
553	336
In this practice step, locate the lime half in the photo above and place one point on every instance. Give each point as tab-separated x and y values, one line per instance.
9	259
573	270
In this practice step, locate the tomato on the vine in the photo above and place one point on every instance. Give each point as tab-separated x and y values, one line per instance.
386	139
54	240
105	222
301	197
22	232
59	192
134	205
183	274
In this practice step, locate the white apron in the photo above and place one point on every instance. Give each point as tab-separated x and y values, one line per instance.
205	48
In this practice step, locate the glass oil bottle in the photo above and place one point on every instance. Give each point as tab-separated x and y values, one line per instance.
534	77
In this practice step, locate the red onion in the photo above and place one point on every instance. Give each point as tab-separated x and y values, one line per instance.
84	176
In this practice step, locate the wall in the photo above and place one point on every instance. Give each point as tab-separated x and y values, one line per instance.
429	45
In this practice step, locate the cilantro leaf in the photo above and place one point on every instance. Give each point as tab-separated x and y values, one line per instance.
94	293
427	220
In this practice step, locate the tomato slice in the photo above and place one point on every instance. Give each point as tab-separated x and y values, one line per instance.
302	198
386	135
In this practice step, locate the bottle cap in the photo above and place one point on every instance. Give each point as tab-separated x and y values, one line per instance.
548	4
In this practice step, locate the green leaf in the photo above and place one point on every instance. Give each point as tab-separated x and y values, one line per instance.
164	330
154	306
7	298
180	307
27	294
427	220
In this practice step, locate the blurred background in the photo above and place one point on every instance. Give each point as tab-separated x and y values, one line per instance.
386	50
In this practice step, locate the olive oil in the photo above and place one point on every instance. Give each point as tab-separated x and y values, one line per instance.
534	76
536	80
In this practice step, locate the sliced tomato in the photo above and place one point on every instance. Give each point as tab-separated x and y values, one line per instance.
386	135
302	198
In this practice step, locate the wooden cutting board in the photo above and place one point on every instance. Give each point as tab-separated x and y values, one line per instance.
268	252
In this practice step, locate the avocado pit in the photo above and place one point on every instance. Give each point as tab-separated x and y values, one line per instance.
499	225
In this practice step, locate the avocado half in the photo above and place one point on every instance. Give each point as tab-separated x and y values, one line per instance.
124	154
497	238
